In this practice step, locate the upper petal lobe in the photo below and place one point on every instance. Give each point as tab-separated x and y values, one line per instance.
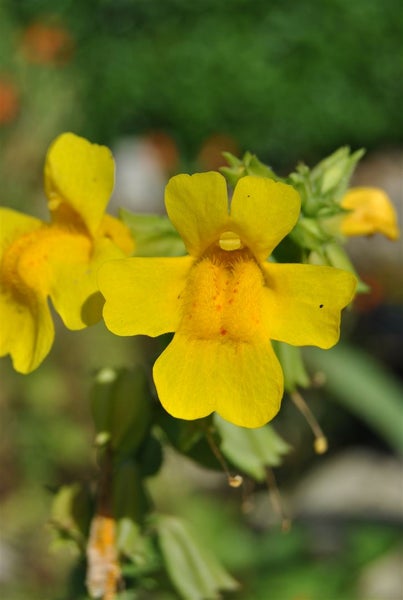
197	206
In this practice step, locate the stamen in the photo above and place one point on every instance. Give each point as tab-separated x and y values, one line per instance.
247	496
320	443
230	241
275	499
234	481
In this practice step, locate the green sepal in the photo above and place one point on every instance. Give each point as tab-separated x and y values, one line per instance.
194	572
121	408
154	235
308	234
292	364
251	450
235	171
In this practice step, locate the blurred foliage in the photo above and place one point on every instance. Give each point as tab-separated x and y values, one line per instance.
310	76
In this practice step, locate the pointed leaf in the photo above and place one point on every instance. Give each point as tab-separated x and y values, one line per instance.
251	450
195	573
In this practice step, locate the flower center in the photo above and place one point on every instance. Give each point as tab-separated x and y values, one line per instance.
223	297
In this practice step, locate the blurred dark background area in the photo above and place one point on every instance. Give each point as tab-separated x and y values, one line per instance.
290	80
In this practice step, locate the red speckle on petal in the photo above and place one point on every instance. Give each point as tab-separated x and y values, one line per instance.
223	331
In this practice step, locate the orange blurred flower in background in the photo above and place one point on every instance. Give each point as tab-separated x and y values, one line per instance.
47	44
9	101
211	156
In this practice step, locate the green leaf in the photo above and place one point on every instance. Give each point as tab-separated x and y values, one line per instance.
189	438
292	364
149	456
195	573
71	512
154	235
363	386
251	450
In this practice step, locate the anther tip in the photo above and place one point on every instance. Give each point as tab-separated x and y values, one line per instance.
320	444
286	525
235	481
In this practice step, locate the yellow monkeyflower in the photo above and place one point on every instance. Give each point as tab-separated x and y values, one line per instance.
224	301
371	211
58	259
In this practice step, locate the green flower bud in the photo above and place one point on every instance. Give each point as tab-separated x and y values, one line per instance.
121	409
129	495
334	172
249	165
322	188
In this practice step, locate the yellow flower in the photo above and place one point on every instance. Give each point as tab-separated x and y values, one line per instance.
59	259
371	212
223	300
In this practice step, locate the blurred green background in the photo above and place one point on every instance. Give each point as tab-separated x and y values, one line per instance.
175	82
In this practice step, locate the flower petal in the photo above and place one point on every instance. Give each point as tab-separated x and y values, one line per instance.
13	225
263	211
197	206
74	286
371	211
303	303
27	331
79	179
142	294
243	382
118	232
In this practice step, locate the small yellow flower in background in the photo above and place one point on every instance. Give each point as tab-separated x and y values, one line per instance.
59	259
223	300
371	212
